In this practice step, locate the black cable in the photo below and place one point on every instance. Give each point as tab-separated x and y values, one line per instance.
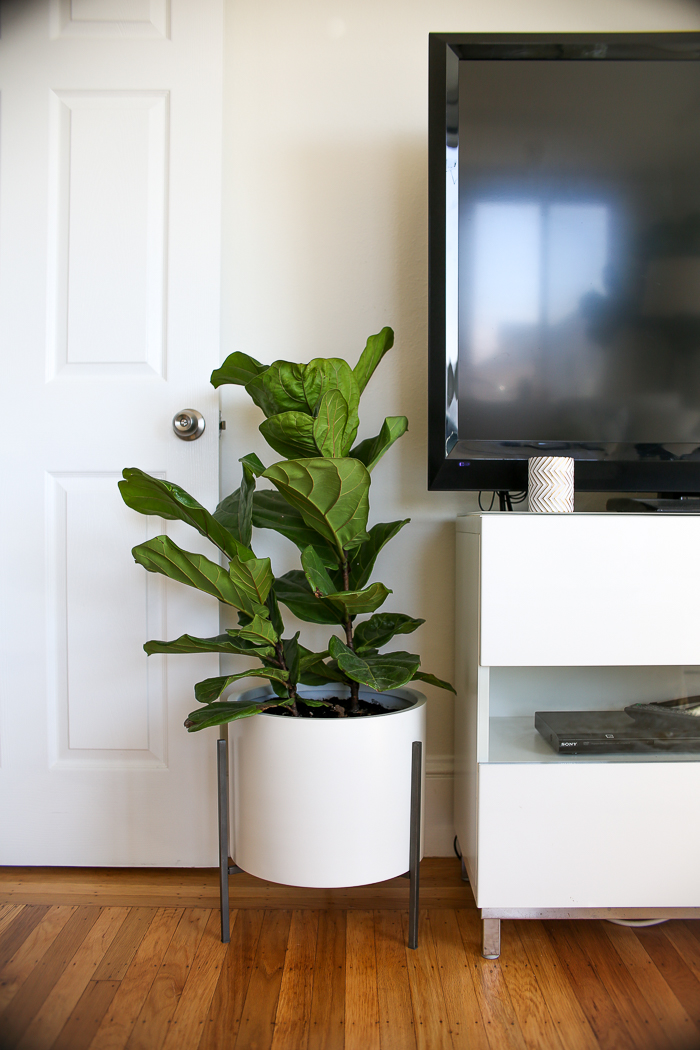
493	496
455	847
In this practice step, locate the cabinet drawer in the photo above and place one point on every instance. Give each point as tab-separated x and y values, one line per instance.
580	589
595	835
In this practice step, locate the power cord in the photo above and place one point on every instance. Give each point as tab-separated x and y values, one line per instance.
506	499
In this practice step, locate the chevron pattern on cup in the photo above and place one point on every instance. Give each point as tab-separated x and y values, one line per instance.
550	484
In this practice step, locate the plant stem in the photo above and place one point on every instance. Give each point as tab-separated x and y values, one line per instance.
354	687
291	687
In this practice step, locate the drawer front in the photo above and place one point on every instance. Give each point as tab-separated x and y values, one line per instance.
596	835
598	589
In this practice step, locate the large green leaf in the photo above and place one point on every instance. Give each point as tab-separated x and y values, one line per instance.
254	463
221	643
227	512
383	671
274	612
315	572
371	450
364	556
238	369
150	495
245	505
337	375
226	711
320	673
381	628
260	631
291	434
354	603
162	555
292	657
280	388
272	511
211	688
332	496
253	580
423	676
335	428
293	590
377	346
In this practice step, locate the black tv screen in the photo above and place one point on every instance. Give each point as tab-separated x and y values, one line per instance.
565	259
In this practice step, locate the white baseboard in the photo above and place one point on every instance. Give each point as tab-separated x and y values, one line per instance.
439	832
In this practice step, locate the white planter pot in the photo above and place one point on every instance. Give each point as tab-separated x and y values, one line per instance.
325	802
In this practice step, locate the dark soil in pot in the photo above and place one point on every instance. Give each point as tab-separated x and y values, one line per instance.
340	709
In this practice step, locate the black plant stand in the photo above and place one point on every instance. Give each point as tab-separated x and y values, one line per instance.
226	869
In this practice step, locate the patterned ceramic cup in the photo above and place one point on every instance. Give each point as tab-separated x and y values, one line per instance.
550	484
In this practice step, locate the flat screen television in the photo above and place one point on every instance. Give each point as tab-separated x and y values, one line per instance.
564	256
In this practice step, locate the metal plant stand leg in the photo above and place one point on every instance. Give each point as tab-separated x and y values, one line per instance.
225	869
414	844
490	938
222	776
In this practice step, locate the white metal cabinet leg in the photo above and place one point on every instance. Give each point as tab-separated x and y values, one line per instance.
490	938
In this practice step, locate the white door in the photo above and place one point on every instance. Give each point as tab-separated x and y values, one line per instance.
110	160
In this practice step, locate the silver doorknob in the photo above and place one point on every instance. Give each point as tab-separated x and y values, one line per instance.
189	424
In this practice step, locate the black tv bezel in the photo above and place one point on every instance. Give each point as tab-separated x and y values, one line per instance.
446	50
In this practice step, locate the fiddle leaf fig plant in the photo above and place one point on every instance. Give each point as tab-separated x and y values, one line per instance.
320	501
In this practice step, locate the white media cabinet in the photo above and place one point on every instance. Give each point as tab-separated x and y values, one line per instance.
571	612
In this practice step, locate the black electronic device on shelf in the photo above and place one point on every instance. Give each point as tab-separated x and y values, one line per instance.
658	727
564	254
612	732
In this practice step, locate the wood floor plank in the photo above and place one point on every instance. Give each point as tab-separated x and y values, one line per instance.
552	977
257	1021
293	1016
4	909
120	1018
640	1020
396	1028
123	948
529	1004
441	885
8	913
688	947
493	997
221	1027
65	994
597	1004
431	1026
19	967
361	1001
678	1028
674	969
454	966
327	1021
151	1027
19	924
48	971
78	1031
192	1009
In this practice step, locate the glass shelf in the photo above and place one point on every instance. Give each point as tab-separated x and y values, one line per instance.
515	739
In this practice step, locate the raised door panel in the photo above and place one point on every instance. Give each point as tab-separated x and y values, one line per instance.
110	18
590	590
108	186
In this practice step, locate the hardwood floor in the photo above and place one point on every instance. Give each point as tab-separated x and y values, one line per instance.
132	959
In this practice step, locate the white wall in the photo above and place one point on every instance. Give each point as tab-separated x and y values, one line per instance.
325	241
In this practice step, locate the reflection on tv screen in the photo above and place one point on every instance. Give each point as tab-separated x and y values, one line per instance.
579	251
